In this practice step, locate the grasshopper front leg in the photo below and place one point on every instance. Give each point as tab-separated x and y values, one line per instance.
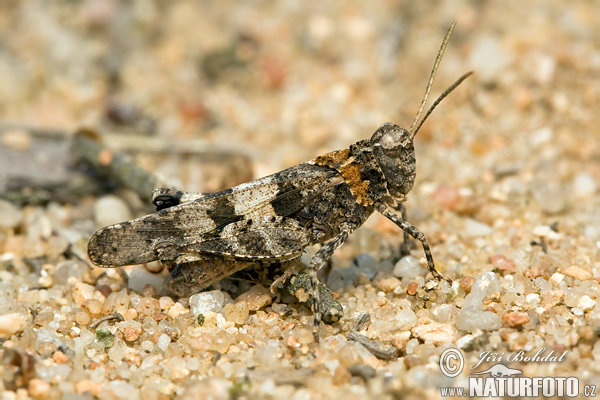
415	233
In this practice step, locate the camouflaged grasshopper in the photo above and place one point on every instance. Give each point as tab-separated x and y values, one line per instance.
204	237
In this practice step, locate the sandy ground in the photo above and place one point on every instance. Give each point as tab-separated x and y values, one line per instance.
506	192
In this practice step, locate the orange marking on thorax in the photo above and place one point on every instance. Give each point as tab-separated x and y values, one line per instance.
350	170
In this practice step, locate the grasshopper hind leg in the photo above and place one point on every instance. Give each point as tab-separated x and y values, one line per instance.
317	262
191	277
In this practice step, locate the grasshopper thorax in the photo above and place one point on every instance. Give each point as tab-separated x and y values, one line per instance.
395	154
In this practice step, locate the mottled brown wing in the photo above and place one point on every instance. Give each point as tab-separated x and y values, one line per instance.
280	194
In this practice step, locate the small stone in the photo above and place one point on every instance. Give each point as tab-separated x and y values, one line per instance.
466	282
39	388
10	215
203	302
16	139
579	273
514	319
471	319
400	339
365	264
237	312
366	372
163	342
341	375
148	306
292	342
89	386
472	316
82	318
549	195
502	263
447	196
552	298
465	342
584	185
94	306
304	336
149	291
166	303
131	335
11	324
256	298
176	310
435	332
138	279
44	318
408	268
586	303
547	232
535	272
110	210
388	284
474	228
221	341
411	290
556	278
59	357
82	292
405	319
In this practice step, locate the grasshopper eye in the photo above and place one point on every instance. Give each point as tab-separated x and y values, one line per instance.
165	201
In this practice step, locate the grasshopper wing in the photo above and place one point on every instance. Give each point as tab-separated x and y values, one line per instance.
187	224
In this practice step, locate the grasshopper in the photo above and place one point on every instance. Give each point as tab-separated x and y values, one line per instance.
204	237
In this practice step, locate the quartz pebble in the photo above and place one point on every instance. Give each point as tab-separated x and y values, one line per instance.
475	228
10	215
203	302
408	268
435	332
11	324
256	298
110	209
578	273
514	319
472	316
586	303
236	312
584	185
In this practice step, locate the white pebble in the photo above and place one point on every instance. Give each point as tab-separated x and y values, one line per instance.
472	316
586	303
201	303
405	318
533	298
138	279
584	185
471	319
408	268
163	342
10	215
556	278
110	210
11	324
475	228
546	232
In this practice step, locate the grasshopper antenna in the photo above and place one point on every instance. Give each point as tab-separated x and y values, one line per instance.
436	64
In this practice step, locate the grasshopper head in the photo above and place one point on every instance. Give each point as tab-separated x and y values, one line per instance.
395	154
